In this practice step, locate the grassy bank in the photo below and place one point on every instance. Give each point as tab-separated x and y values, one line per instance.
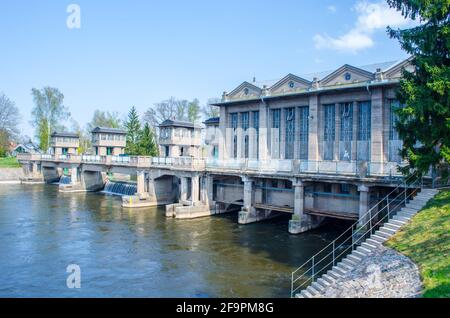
9	162
426	241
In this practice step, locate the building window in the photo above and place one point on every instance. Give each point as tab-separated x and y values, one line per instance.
234	125
329	131
364	126
304	123
327	188
245	121
290	133
346	133
395	143
276	133
344	188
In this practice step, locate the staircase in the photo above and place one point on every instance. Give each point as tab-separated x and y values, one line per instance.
384	232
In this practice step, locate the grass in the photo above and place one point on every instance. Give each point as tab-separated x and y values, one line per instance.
9	162
426	241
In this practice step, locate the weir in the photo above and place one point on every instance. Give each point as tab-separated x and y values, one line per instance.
120	188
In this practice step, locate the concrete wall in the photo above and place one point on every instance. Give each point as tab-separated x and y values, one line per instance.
11	174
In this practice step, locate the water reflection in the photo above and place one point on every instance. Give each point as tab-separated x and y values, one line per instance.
138	252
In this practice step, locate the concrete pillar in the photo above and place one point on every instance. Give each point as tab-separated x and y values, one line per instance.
223	135
248	194
263	132
184	188
140	182
74	175
363	204
195	189
151	188
299	198
376	129
207	187
313	127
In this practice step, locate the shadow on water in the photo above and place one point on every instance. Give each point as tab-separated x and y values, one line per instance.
140	252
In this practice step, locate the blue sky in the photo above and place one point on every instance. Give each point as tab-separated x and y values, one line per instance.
141	52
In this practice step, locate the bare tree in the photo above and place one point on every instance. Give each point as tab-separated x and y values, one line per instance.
9	117
168	109
209	110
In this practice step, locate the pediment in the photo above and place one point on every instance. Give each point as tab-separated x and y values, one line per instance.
346	74
396	70
289	83
245	90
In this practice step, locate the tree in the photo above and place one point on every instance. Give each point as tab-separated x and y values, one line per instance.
9	120
210	110
104	119
194	111
147	143
48	113
424	121
133	128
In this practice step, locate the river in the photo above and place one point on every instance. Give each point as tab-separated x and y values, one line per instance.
139	252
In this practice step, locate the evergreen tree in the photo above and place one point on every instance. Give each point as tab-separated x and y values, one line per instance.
424	121
133	128
147	143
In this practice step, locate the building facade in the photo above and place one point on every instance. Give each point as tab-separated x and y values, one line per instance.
64	143
179	139
316	146
108	141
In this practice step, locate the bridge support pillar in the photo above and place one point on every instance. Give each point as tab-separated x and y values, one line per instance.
363	204
184	188
74	175
195	189
140	188
300	221
248	213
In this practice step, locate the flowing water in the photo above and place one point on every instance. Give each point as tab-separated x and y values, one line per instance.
120	188
139	252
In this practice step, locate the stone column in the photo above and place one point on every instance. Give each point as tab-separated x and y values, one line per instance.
300	221
313	127
363	204
140	182
151	188
299	198
74	175
183	190
376	129
209	181
263	132
223	142
248	194
195	189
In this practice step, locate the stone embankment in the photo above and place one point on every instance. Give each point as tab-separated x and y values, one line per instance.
384	273
11	175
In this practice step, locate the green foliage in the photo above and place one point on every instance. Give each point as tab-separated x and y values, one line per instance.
424	122
133	127
147	143
194	110
48	113
426	240
9	162
104	119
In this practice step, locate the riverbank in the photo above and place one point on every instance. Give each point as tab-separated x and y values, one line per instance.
9	162
426	241
10	174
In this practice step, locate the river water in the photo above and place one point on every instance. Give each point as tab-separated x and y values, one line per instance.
139	252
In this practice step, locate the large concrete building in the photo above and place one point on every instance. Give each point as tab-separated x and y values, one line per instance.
317	145
64	143
108	141
179	139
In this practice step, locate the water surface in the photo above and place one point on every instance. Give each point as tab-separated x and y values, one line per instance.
140	252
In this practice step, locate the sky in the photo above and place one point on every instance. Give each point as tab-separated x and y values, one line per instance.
130	52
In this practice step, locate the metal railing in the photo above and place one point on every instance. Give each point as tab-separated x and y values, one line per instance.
345	243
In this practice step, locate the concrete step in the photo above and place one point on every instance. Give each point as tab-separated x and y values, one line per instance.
306	294
349	262
388	230
299	295
401	218
339	270
397	222
364	250
415	205
379	239
406	214
318	287
359	253
370	245
345	266
312	290
329	279
409	210
383	234
372	242
354	258
322	282
333	274
393	226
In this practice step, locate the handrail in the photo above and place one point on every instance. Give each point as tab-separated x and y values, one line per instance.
313	260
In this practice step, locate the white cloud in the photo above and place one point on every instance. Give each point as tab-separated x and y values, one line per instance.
331	8
371	18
